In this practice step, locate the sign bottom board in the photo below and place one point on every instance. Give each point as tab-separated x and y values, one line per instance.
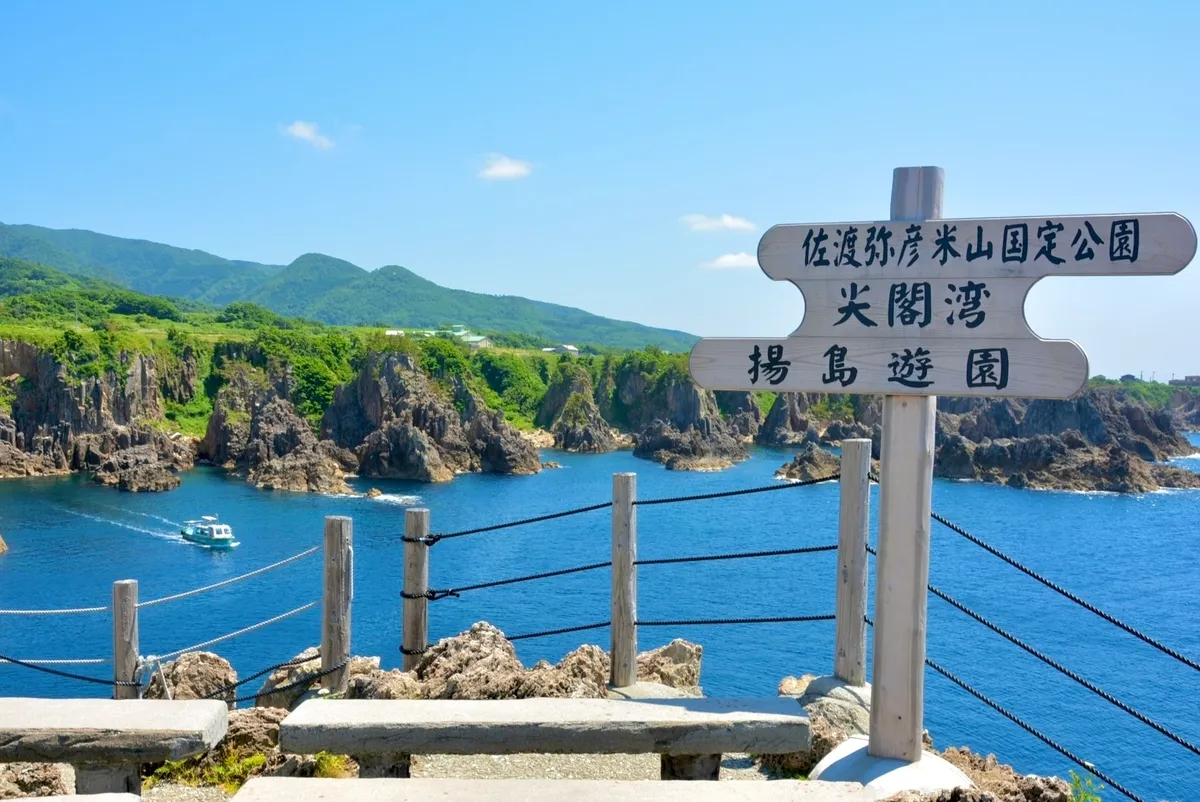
1016	368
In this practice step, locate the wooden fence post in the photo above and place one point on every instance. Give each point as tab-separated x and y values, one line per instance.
339	589
854	517
415	622
902	559
623	672
125	637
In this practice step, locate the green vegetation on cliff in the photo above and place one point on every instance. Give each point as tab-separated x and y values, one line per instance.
320	287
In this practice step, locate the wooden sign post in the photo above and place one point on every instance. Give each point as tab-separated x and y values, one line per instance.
914	307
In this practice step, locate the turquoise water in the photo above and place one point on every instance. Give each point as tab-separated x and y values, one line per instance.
1134	556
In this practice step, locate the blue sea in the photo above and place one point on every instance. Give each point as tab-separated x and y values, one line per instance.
1137	557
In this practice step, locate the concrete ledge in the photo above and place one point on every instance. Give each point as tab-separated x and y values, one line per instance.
691	726
297	789
108	731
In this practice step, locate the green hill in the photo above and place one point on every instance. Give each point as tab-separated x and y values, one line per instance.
319	287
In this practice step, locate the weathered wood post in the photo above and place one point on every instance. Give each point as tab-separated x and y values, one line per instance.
854	517
902	560
623	672
416	583
338	593
125	637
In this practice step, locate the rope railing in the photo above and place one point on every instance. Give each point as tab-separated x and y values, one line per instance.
436	537
1083	764
59	611
66	674
81	661
231	581
235	634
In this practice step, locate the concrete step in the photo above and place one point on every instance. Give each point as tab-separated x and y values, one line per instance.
298	789
690	726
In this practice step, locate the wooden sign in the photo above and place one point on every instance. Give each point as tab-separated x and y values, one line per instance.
934	307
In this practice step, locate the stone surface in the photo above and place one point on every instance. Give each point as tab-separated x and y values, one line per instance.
669	726
849	762
304	665
192	675
107	730
812	462
547	790
18	780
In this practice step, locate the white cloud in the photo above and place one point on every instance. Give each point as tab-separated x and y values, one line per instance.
500	167
733	261
726	222
309	133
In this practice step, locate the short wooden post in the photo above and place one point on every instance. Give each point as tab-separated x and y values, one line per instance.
850	653
125	637
623	672
416	582
902	561
339	584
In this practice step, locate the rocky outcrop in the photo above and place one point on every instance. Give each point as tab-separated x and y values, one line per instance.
1102	441
20	780
742	414
786	423
55	422
582	429
192	675
402	425
256	433
697	448
812	462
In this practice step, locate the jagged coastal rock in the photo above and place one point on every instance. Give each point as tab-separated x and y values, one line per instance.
1102	441
570	410
401	425
58	422
813	462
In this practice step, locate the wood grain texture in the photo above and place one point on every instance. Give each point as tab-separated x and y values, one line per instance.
335	622
1165	244
854	518
901	576
1036	368
125	637
623	672
415	612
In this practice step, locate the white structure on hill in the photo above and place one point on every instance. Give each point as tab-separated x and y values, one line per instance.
562	349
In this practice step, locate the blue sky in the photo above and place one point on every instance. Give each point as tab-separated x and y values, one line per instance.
364	130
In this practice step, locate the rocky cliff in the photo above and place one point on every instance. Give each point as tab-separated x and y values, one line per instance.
1103	440
678	423
256	432
54	421
569	410
401	424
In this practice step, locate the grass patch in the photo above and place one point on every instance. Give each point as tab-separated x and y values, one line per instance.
229	775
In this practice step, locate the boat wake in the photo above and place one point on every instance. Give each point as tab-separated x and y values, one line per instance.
396	498
158	533
145	515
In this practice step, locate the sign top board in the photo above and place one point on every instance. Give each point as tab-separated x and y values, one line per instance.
1023	247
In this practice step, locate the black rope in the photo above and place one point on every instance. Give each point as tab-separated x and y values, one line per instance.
46	670
1060	749
1068	594
563	631
545	575
433	538
1089	767
707	621
303	681
430	593
1069	673
414	652
289	664
737	556
727	493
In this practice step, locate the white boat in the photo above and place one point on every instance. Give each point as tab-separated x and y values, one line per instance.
208	532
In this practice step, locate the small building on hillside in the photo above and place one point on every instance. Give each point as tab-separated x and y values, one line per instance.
477	341
394	333
562	349
1187	381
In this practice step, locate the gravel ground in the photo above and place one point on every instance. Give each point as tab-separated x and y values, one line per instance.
565	767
